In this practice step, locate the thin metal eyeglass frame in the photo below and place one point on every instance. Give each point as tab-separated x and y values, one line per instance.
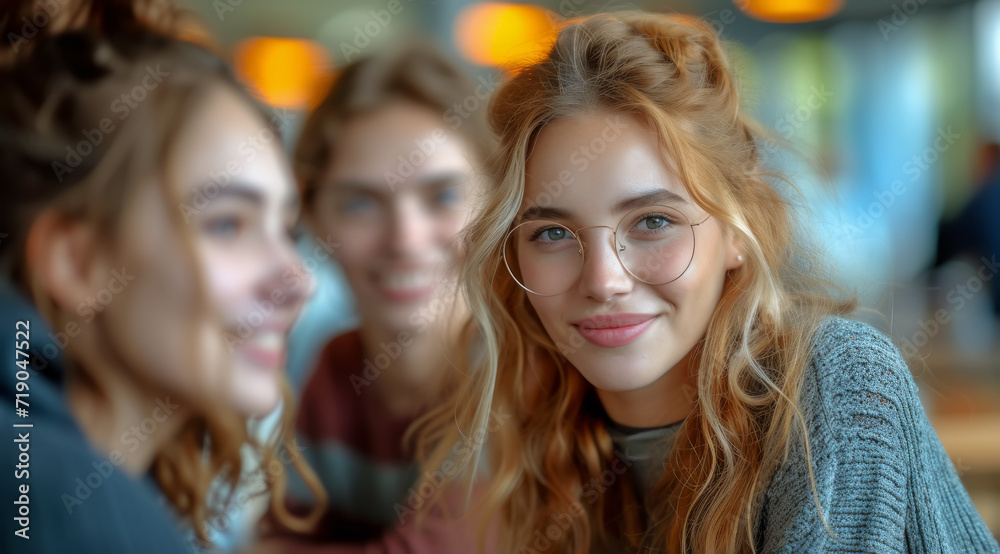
614	233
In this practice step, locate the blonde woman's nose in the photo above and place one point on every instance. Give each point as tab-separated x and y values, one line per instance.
602	276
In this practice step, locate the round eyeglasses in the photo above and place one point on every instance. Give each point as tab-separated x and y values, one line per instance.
655	244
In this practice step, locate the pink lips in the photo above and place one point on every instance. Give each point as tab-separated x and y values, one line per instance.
266	346
610	331
270	358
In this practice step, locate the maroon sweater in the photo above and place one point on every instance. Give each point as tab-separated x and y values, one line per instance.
356	449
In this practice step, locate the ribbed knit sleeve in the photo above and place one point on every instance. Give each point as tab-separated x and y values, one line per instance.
884	480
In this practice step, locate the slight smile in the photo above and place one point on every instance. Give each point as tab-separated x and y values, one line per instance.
614	330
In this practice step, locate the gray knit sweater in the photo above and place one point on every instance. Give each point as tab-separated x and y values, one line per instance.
884	479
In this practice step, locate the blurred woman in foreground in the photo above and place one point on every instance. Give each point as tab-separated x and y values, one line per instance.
145	246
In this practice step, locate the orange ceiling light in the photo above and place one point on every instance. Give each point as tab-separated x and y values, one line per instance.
284	72
499	34
789	11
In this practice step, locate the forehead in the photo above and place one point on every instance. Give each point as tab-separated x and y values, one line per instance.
226	140
402	139
596	158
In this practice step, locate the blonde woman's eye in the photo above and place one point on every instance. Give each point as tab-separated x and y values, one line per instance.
550	234
653	222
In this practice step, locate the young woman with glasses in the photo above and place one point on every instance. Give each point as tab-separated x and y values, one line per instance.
680	379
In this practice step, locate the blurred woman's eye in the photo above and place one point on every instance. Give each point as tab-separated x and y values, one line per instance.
224	227
357	205
447	198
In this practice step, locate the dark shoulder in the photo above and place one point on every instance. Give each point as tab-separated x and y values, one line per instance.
81	501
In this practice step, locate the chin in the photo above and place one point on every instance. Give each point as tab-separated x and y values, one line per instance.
618	381
259	407
257	399
617	371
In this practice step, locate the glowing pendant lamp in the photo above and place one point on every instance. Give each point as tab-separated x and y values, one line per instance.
502	34
789	11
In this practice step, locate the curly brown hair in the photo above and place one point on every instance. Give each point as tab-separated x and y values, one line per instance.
49	95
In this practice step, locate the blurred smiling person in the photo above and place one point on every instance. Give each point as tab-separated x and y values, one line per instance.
390	173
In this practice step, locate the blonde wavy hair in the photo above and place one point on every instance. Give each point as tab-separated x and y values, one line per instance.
672	72
58	88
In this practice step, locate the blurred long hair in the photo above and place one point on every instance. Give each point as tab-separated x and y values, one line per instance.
62	85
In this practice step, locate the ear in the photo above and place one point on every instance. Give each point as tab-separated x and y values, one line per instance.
63	255
734	251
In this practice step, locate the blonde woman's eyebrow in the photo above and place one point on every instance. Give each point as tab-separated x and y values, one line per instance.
652	198
544	212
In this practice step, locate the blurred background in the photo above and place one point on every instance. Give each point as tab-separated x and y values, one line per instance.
890	108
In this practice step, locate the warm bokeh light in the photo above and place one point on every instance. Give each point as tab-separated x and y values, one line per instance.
789	11
284	72
498	34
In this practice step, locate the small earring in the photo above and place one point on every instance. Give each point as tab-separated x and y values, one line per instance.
739	257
